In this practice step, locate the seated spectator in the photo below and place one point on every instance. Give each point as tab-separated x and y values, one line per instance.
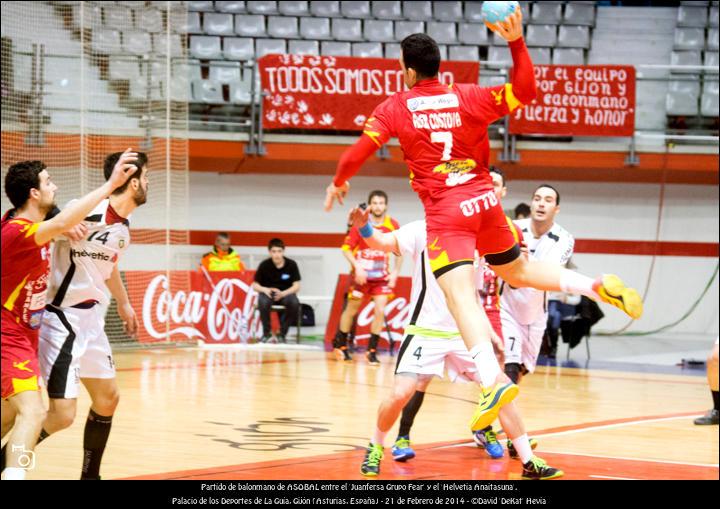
277	282
222	257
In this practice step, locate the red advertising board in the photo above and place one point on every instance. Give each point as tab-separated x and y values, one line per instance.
397	314
326	92
591	100
217	308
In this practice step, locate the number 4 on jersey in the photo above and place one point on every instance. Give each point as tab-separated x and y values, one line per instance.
418	352
102	238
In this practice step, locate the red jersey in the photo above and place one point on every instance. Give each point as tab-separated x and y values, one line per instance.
443	131
488	285
374	262
25	272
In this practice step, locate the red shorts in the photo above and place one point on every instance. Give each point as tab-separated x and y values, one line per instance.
19	357
370	288
494	317
466	219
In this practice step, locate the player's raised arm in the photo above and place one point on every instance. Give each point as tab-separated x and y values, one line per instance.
524	88
78	210
374	238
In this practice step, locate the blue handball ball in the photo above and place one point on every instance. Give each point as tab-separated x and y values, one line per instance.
494	12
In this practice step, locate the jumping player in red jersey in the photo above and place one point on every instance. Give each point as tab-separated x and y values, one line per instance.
25	270
371	277
443	133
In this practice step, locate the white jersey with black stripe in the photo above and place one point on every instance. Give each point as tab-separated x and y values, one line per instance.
80	268
428	307
527	305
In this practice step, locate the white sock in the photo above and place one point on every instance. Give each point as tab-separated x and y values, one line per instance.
379	437
574	282
486	363
14	474
522	446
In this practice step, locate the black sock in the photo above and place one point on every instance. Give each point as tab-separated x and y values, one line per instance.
512	370
43	435
97	431
3	460
409	413
715	400
340	339
373	343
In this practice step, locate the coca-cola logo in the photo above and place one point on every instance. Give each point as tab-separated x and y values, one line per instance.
226	314
397	313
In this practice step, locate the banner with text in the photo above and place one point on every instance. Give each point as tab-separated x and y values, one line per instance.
215	307
593	100
397	314
326	92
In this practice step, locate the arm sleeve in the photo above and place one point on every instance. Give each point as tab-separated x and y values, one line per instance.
377	131
295	272
259	274
492	103
351	240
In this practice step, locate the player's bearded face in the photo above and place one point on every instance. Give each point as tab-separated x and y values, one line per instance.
140	196
378	207
47	193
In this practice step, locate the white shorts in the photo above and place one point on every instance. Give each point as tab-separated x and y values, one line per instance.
430	356
522	342
73	345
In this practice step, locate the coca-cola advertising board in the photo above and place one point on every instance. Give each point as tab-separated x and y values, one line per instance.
397	314
215	307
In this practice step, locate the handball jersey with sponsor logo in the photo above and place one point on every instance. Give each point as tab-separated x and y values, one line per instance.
374	262
80	268
443	132
527	305
25	269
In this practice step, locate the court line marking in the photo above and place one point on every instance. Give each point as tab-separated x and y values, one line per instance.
646	460
611	477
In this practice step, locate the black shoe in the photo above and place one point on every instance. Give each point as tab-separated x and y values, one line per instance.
537	469
343	354
371	465
711	417
281	338
265	338
372	359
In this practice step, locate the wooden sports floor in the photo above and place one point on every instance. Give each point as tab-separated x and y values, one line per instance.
270	414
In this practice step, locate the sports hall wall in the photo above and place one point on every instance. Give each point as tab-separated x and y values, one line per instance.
592	212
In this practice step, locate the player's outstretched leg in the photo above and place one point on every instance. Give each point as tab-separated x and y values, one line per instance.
550	277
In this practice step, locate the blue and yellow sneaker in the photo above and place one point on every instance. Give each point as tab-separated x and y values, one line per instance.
612	290
490	403
371	465
487	439
537	469
402	451
512	452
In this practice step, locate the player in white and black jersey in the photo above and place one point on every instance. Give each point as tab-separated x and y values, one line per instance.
523	311
432	343
73	345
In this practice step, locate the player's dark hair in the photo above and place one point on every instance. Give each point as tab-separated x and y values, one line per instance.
224	235
20	179
276	243
557	194
522	209
111	161
421	52
495	169
378	193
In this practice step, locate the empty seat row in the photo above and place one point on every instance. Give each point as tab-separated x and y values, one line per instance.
577	13
135	43
119	17
697	16
695	38
540	56
684	98
693	58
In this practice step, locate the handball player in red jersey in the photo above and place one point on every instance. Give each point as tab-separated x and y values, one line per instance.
25	270
442	131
